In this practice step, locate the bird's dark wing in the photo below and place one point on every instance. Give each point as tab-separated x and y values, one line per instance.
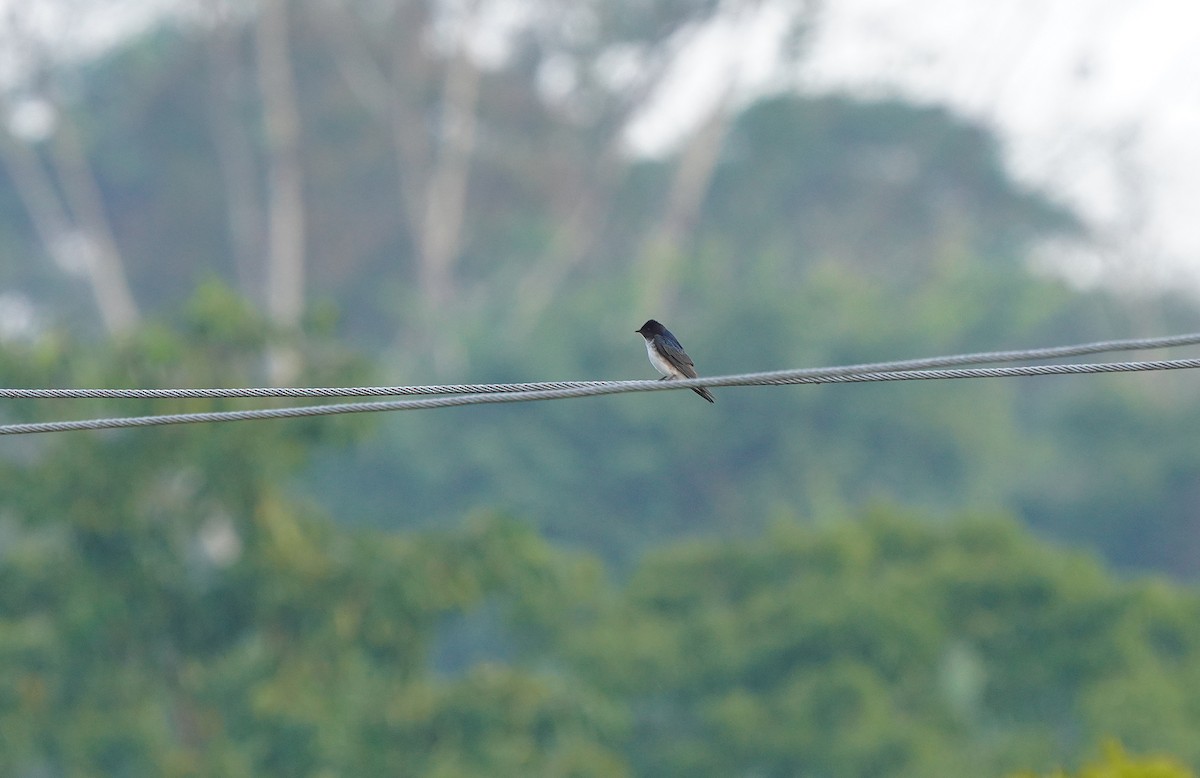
671	349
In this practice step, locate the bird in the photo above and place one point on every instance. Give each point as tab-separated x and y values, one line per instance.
668	357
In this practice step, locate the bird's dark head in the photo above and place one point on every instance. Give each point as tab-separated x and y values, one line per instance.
650	329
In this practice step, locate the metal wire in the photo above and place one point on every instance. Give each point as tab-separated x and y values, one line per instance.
1054	352
590	389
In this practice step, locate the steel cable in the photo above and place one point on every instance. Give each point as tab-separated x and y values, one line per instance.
591	389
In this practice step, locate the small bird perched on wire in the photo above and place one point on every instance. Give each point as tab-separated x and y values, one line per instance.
668	357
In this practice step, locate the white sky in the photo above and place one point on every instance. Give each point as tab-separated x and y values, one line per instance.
1096	101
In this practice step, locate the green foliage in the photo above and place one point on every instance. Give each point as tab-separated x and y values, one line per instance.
168	605
231	630
206	600
1099	460
886	647
1115	763
824	179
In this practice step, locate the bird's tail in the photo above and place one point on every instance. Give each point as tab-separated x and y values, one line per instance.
707	395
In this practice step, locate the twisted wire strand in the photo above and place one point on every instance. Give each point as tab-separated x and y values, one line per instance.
1020	355
779	377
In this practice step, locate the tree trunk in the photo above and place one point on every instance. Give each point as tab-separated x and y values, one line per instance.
103	264
446	194
285	197
433	175
663	250
235	160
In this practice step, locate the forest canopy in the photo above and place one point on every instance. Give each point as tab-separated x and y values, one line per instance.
989	578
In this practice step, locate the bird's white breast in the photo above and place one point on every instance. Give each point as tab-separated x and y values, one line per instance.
661	365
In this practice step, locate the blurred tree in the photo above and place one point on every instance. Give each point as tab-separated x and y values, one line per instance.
48	167
1115	763
500	127
797	230
888	188
167	607
285	208
886	647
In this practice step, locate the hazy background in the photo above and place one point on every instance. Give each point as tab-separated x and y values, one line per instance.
947	578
